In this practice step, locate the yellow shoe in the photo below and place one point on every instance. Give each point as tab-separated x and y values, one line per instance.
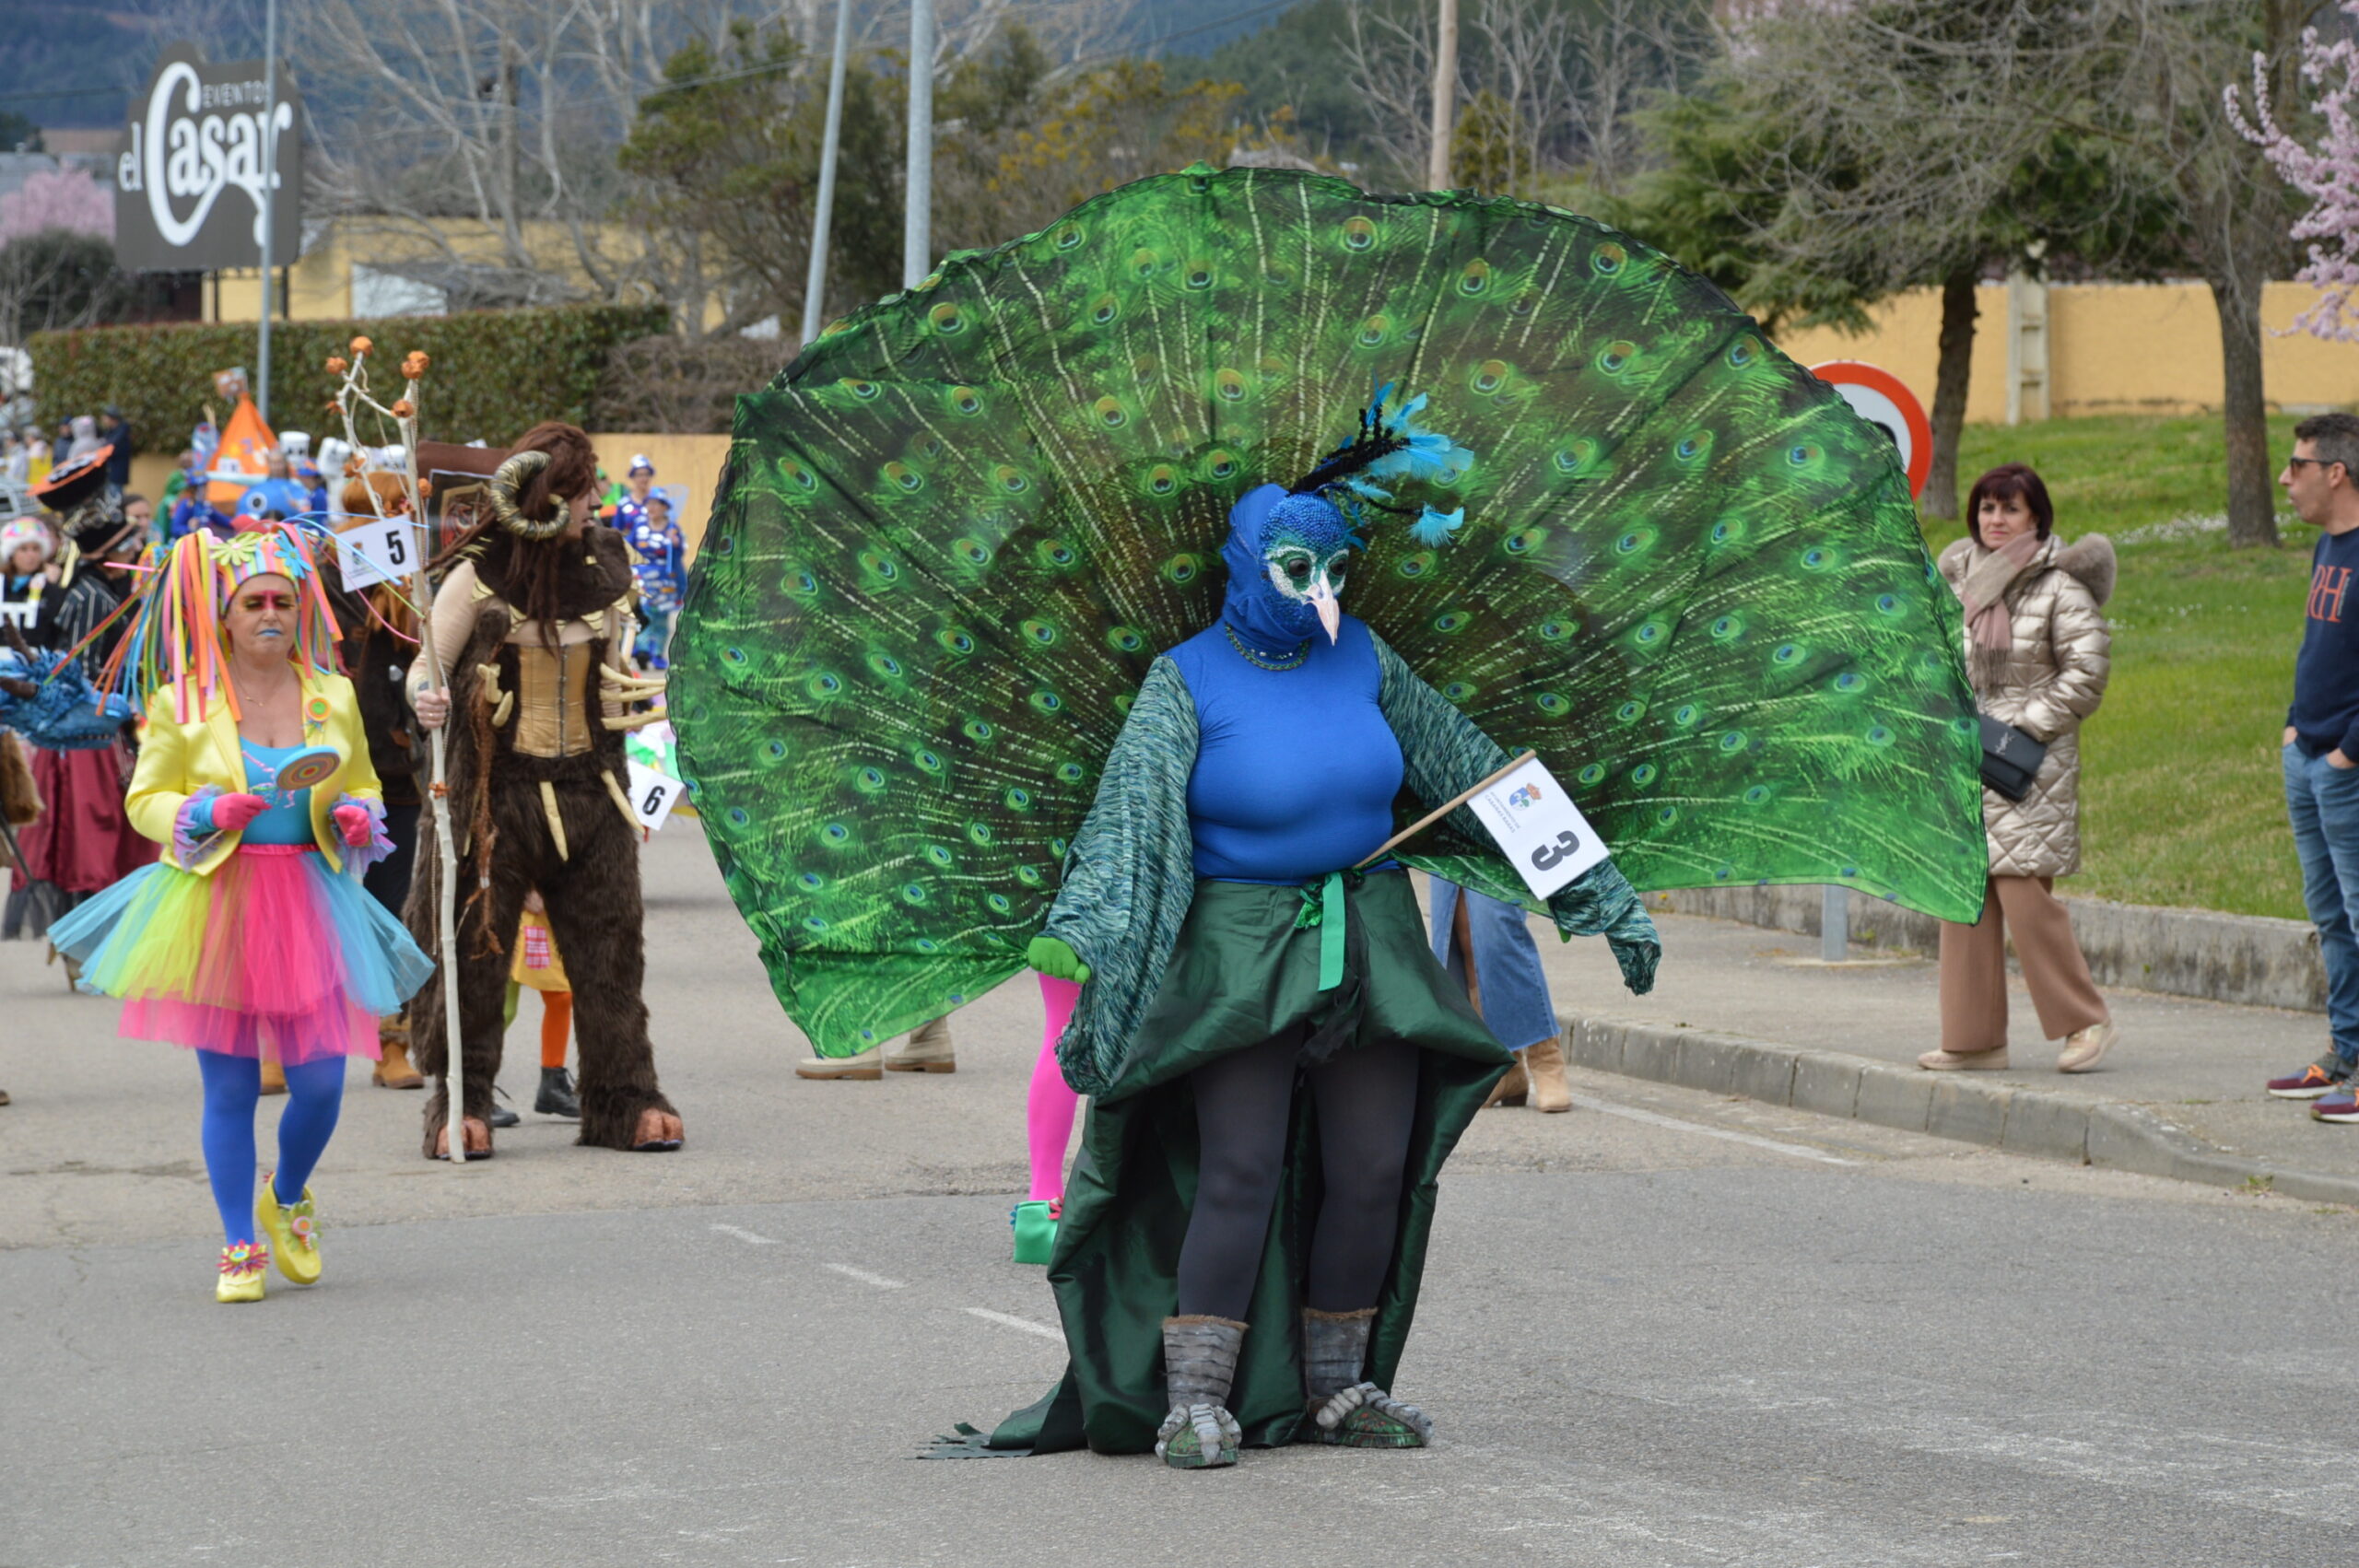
244	1269
294	1232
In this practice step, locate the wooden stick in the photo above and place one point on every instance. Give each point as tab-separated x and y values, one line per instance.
1443	810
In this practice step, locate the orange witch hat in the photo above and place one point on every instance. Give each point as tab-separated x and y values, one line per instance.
245	443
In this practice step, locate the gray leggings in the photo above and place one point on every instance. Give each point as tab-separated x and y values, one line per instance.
1366	1100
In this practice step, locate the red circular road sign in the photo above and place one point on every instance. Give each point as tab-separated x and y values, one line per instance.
1883	400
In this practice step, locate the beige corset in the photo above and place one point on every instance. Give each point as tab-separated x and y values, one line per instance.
553	698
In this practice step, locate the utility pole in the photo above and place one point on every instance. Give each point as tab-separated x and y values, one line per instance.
269	198
1445	95
814	289
917	235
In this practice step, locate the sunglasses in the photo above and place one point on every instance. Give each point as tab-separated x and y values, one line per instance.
2313	462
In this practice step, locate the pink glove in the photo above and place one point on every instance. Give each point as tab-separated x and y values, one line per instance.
355	825
231	812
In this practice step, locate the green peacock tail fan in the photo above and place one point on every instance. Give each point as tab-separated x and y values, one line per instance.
950	537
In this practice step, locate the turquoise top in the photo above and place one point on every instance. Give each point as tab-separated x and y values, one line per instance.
289	819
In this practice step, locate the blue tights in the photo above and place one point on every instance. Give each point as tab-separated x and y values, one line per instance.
232	1089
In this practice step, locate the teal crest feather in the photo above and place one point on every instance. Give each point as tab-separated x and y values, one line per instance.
952	535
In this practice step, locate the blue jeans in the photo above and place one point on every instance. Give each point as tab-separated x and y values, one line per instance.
1507	961
2323	800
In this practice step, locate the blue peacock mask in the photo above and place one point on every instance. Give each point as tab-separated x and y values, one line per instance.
1288	548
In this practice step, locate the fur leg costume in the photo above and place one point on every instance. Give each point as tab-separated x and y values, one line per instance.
594	912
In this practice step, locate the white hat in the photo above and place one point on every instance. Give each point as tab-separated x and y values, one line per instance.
24	531
637	461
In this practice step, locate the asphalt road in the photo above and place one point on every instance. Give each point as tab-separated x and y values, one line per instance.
1664	1329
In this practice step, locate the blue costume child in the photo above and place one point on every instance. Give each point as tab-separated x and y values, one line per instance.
660	565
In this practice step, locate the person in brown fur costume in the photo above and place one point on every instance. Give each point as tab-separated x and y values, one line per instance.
533	621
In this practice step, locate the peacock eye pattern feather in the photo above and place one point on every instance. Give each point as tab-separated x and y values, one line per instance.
952	536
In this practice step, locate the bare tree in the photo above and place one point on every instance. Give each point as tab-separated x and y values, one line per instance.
2232	213
1547	86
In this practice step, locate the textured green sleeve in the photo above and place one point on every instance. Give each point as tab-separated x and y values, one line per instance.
1128	878
1443	752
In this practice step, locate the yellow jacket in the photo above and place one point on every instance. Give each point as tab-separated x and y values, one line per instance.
176	760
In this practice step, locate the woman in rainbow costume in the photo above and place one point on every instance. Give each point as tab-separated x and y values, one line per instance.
252	936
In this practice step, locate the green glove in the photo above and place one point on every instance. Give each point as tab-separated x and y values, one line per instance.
1054	958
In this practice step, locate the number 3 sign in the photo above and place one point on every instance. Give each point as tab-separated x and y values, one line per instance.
1538	827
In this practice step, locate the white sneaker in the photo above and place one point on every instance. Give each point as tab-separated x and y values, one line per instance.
1953	1061
2084	1048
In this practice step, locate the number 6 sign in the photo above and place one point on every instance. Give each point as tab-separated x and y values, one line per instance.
653	794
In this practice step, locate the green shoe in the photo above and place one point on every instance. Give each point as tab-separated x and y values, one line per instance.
1036	1229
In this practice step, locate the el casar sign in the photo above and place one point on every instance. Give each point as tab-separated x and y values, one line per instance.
189	193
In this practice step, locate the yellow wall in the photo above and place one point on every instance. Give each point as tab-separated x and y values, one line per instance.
692	460
2113	348
319	284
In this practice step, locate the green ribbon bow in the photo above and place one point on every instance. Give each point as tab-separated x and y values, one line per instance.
1324	909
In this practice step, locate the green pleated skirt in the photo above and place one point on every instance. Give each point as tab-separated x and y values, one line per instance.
1245	971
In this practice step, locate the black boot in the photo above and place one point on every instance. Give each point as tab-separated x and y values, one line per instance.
556	1097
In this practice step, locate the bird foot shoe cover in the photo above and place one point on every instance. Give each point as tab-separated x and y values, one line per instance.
1199	1365
294	1232
1345	1409
243	1266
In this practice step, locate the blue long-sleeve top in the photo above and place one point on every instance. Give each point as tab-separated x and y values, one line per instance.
2325	712
1296	770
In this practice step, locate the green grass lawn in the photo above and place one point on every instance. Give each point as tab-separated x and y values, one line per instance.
2180	799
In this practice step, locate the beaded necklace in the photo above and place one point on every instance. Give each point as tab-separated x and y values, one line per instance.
1300	653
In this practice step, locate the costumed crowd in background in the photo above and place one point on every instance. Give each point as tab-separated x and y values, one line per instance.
212	759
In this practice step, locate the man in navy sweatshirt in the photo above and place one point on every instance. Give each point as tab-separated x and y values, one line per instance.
2322	480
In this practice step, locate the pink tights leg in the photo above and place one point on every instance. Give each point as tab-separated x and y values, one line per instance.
1050	1111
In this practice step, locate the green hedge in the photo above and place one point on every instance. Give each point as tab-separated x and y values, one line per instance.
495	373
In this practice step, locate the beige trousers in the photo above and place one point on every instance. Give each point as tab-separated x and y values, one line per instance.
1974	968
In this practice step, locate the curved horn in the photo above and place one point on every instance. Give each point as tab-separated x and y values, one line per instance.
507	488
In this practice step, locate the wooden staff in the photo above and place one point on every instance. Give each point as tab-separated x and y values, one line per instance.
1443	810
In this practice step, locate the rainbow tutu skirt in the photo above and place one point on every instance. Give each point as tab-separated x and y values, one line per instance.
272	952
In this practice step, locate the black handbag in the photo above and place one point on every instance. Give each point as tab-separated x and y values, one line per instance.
2011	759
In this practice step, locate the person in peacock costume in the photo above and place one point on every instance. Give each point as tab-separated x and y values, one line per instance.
924	715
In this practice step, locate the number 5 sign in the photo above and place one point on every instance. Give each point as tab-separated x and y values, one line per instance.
1537	827
378	549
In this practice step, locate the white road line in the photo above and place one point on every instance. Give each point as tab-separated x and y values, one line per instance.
1799	1150
748	1238
865	1277
1008	1321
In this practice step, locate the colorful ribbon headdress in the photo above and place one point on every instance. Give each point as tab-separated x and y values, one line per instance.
176	639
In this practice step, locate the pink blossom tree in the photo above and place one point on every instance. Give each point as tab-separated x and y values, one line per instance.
66	198
2327	174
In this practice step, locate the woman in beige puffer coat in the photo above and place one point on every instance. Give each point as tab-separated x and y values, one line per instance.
2037	652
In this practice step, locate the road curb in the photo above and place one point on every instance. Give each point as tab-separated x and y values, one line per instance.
2022	1121
2245	960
